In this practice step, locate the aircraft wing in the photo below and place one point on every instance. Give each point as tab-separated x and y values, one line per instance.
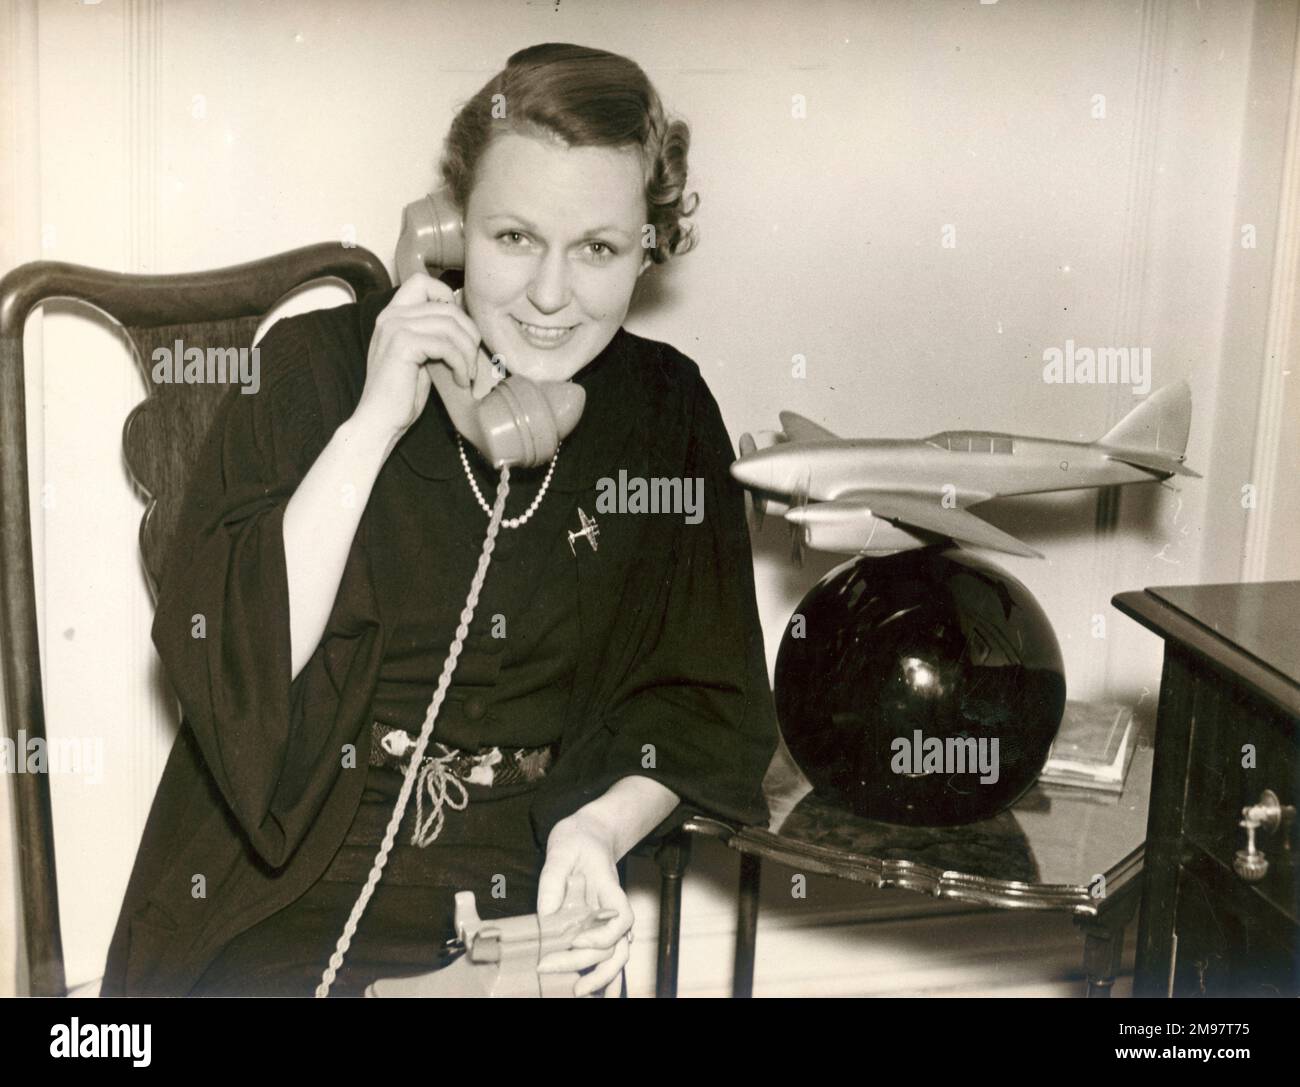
925	512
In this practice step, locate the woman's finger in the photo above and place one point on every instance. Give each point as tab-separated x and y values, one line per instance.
437	340
431	328
572	960
610	896
443	310
422	287
551	883
607	933
416	342
411	347
604	974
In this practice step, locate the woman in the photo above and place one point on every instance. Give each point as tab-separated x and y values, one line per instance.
329	540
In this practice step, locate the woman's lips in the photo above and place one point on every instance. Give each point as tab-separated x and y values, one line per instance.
542	337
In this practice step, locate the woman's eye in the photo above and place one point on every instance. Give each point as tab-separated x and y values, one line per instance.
601	250
513	236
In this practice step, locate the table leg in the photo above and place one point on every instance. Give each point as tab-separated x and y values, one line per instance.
1103	939
1174	717
1102	949
751	870
672	856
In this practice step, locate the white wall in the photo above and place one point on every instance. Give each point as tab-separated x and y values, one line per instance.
170	136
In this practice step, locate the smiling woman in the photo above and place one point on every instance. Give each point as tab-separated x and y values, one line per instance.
600	690
568	175
550	266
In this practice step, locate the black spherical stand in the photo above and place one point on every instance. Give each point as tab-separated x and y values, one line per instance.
923	687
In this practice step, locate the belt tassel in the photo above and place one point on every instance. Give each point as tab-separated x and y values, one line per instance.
438	783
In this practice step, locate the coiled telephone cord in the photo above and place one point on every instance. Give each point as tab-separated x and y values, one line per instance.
426	733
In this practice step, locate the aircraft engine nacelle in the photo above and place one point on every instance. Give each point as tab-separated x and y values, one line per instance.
855	534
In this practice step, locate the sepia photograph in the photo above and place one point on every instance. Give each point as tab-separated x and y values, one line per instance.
674	498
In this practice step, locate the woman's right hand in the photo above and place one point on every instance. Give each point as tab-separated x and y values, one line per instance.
422	326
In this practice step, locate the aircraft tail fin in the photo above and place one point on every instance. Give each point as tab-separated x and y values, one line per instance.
798	429
1158	425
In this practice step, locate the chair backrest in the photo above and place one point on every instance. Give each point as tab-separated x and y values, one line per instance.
161	438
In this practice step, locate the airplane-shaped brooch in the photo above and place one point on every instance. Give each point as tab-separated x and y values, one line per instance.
887	494
589	529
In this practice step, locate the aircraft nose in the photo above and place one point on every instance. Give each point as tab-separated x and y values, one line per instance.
751	471
742	472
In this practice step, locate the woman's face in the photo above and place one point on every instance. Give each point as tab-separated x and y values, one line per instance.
552	251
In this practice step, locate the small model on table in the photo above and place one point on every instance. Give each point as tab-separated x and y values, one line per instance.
886	494
925	688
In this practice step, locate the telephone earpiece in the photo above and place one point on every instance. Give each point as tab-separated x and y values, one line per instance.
432	238
519	422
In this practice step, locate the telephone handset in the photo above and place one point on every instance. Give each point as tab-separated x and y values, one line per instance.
519	422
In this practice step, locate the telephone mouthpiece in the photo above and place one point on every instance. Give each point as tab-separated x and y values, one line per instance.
523	422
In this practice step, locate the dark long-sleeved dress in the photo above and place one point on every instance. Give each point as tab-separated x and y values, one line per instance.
642	655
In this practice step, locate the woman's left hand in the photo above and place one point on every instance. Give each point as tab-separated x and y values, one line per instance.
583	845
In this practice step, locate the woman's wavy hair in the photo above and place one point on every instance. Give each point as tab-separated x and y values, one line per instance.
587	98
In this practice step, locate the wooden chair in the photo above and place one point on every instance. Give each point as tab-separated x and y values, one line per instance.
161	438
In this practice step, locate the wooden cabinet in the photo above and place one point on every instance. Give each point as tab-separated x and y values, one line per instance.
1218	918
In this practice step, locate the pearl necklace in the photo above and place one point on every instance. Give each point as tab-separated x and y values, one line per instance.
512	522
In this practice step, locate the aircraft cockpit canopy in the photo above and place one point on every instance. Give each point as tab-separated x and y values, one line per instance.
972	441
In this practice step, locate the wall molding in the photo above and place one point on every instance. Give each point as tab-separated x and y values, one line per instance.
141	92
1126	327
1268	534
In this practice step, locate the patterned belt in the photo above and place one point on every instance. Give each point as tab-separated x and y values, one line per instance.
390	748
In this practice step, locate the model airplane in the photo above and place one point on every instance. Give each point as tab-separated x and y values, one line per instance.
885	494
590	530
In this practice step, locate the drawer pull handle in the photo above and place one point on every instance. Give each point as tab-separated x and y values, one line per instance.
1268	814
